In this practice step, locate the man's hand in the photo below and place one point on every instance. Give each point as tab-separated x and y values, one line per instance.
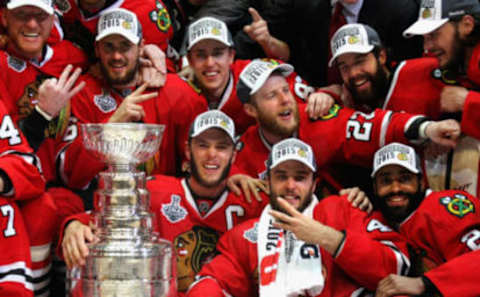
258	29
153	67
444	132
74	244
453	98
130	110
54	94
242	183
394	285
358	198
318	104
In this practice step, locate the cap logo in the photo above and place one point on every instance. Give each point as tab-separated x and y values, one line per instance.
350	35
302	153
113	19
255	70
216	31
206	27
426	13
127	25
402	157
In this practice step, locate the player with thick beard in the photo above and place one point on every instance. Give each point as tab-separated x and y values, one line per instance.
191	212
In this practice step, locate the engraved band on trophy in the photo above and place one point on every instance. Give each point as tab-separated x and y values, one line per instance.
129	259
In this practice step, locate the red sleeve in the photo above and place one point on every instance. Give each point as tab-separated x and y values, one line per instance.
83	217
17	160
15	264
367	237
233	270
471	114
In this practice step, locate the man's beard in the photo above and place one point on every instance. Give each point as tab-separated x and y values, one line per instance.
379	87
399	214
203	182
456	63
126	79
270	124
274	202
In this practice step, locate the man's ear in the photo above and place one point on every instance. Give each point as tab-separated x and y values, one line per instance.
466	25
250	110
187	151
382	57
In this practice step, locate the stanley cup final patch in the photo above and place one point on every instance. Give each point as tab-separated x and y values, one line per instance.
16	64
173	211
105	102
251	234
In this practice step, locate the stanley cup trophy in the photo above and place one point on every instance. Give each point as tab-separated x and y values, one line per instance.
129	259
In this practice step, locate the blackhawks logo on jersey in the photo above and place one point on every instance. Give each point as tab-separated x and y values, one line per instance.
161	17
458	205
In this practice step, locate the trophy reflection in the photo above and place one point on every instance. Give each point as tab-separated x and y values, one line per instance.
129	259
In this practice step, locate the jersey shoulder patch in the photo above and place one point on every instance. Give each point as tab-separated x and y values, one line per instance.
458	205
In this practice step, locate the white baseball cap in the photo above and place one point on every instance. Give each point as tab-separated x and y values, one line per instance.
396	154
212	119
291	149
256	73
434	13
46	5
119	21
208	28
353	38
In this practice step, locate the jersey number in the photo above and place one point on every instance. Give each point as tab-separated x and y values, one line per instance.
472	239
8	211
358	130
229	211
8	131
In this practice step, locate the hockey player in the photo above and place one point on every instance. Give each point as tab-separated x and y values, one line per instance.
442	226
267	98
273	262
191	212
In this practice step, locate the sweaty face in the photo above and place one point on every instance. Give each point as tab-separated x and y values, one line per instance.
398	192
446	45
119	59
210	61
211	155
276	108
294	182
365	78
28	28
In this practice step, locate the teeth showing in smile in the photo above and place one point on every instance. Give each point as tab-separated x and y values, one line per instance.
360	82
286	113
30	34
211	73
211	166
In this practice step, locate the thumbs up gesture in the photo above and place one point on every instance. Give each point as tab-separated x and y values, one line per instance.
258	29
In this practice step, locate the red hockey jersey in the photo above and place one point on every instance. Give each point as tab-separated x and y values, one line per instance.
445	230
235	271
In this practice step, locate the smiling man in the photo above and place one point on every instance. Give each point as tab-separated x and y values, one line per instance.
273	262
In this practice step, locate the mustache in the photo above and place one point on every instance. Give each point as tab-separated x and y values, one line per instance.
401	193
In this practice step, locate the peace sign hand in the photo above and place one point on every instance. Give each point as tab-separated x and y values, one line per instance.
130	110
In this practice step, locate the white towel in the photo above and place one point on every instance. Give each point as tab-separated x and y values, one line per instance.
283	271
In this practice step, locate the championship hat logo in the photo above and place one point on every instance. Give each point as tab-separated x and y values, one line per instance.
402	157
216	31
127	25
426	13
302	153
353	39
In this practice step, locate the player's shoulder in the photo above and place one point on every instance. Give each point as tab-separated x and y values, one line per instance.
424	65
453	204
164	183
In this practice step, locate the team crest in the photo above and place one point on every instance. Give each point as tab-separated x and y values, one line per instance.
16	64
353	39
161	17
459	205
127	25
402	157
426	13
105	102
173	211
332	112
251	234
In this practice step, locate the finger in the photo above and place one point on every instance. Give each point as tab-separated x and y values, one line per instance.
369	208
255	15
280	216
73	78
145	62
246	191
247	29
144	97
254	190
66	257
288	207
77	89
311	107
261	184
74	252
140	89
233	187
65	73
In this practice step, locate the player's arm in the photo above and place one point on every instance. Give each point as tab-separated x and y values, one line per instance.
470	114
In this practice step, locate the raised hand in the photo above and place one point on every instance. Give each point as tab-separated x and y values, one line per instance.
53	94
130	110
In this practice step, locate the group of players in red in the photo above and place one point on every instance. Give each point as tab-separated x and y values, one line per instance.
236	126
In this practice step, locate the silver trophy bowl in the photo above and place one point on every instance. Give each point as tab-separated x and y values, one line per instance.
129	259
122	144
